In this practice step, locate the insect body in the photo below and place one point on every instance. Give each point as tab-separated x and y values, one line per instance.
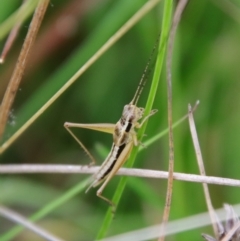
124	138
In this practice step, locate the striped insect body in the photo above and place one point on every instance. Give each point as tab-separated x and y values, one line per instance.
124	130
124	138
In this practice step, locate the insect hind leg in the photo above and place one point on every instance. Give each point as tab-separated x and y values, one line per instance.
67	125
99	194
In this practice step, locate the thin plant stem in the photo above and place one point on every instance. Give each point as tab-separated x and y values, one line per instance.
20	15
166	26
133	172
16	78
15	217
176	18
202	169
47	209
11	38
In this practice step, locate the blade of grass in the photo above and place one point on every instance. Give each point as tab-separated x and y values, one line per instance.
20	15
154	85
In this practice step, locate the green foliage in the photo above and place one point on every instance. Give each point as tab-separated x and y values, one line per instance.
205	67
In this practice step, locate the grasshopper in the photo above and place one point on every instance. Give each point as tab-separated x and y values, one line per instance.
124	138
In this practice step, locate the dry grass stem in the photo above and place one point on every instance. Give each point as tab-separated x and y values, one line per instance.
176	18
14	83
78	169
201	168
10	40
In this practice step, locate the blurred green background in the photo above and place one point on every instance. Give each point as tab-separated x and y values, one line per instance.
205	67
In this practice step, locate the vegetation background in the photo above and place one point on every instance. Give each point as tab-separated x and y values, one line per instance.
205	67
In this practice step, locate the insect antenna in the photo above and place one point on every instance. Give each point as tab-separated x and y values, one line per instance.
144	78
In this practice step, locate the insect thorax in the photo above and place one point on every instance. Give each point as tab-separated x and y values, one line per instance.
125	126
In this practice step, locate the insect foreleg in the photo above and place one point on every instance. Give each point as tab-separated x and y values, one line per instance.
139	125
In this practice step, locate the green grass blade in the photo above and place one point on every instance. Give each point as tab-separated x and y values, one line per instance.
156	77
19	16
